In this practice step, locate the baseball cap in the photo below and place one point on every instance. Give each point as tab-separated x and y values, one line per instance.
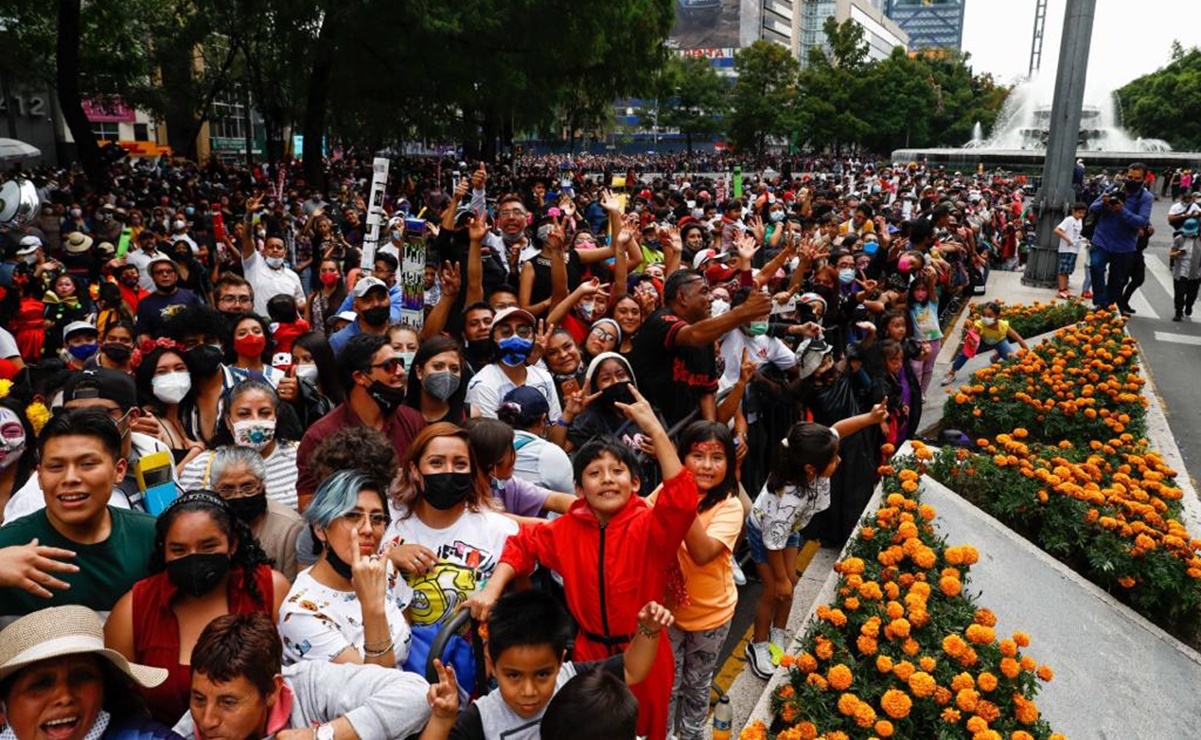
708	255
367	283
528	401
517	311
100	382
78	326
1191	227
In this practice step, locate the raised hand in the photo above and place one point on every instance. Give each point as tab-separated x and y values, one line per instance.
32	567
747	246
640	412
654	617
609	201
479	178
451	278
443	696
477	229
368	575
541	337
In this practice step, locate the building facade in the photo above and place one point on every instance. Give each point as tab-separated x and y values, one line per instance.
880	32
931	24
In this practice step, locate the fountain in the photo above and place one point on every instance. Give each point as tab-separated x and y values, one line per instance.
1019	138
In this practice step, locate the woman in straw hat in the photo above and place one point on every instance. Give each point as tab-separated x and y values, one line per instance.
59	682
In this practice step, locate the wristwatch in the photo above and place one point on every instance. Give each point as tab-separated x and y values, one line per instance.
325	731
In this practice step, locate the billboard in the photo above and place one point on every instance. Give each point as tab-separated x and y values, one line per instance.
707	24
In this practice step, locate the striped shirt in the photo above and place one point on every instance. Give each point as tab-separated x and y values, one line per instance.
281	474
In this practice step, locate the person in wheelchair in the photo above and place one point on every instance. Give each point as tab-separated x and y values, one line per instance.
526	651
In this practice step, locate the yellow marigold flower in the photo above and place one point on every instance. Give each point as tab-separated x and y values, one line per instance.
966	700
987	682
847	703
950	715
839	677
896	704
884	728
922	684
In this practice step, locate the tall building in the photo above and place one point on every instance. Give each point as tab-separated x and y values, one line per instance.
929	23
879	31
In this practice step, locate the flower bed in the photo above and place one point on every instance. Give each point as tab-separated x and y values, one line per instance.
1109	510
1032	319
905	651
1072	386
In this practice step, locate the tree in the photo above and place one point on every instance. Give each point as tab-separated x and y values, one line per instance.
763	99
692	96
1162	104
832	103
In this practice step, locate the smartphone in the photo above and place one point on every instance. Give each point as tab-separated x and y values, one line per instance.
569	386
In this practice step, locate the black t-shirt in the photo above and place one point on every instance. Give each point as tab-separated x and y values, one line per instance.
675	386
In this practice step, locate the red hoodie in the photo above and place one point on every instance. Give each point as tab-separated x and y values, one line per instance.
610	572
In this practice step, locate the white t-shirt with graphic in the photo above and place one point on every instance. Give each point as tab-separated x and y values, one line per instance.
467	552
317	622
1070	226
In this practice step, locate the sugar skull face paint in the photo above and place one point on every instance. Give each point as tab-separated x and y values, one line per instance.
12	438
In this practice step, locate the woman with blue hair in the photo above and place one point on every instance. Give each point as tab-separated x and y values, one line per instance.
349	606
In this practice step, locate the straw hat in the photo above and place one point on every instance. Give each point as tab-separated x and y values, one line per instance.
64	630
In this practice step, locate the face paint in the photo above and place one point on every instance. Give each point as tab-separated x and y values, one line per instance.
712	447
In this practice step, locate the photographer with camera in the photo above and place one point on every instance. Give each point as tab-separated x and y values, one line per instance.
1121	216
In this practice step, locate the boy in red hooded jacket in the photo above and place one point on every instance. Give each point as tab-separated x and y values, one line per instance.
614	552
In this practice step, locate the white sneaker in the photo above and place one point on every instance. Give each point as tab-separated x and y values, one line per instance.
739	576
779	637
758	659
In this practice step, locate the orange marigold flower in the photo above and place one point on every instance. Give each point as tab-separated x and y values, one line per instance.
980	634
865	716
754	731
823	648
839	677
847	703
884	664
927	663
1009	648
896	704
966	699
884	728
1045	673
922	684
976	724
1010	668
950	586
806	663
1021	735
950	715
1028	663
942	696
1022	639
867	645
817	680
903	670
953	645
985	617
987	682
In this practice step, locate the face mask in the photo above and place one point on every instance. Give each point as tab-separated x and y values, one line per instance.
275	262
777	216
619	391
718	307
385	396
585	310
377	316
757	328
329	279
479	349
340	566
447	490
441	385
198	573
307	372
30	259
544	231
988	321
254	433
1133	186
171	387
511	239
83	351
189	210
514	350
846	276
204	360
178	224
248	508
251	345
406	359
116	351
76	213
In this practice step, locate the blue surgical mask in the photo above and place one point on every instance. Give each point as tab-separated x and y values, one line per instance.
83	351
846	275
514	350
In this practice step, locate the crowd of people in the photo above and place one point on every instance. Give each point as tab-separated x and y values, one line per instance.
570	401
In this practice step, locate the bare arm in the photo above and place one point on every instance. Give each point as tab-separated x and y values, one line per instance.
847	427
440	314
706	332
475	261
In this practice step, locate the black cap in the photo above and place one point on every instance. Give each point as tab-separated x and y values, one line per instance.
100	382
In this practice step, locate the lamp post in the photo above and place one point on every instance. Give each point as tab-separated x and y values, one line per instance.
1056	196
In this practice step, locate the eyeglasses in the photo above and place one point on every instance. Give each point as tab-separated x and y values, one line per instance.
391	366
246	490
238	299
604	335
511	213
355	519
504	331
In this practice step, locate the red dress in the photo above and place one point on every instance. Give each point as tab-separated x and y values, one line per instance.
31	329
610	572
156	634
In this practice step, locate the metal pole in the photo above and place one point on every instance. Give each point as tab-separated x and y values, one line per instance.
1056	196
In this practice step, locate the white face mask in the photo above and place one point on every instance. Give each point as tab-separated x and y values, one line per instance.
307	372
178	224
989	320
275	262
718	307
171	387
254	433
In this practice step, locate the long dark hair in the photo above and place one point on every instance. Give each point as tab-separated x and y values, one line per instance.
806	444
327	366
711	431
144	376
430	348
246	553
231	354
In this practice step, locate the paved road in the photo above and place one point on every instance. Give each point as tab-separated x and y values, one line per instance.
1172	350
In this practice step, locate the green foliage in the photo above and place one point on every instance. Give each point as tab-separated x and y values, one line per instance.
692	96
1163	104
763	99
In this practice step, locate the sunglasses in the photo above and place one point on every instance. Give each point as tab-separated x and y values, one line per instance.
391	366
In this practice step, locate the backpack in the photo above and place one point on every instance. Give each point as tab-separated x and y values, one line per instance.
1089	225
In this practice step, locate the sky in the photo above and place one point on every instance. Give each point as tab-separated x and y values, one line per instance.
1129	39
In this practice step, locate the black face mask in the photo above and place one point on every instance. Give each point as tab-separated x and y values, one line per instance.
446	490
386	397
479	349
203	360
117	352
377	316
248	508
619	391
1133	186
340	566
199	573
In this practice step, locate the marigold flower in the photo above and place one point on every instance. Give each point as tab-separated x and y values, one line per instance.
980	634
865	716
867	645
927	663
922	684
985	617
976	724
896	704
903	670
806	662
950	715
1021	735
1022	639
884	728
987	682
950	586
839	677
1028	663
884	664
953	645
942	696
966	699
1045	673
847	703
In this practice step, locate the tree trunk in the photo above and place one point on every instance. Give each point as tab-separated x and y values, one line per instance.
70	102
318	95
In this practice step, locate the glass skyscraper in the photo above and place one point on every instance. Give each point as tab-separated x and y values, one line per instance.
929	23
